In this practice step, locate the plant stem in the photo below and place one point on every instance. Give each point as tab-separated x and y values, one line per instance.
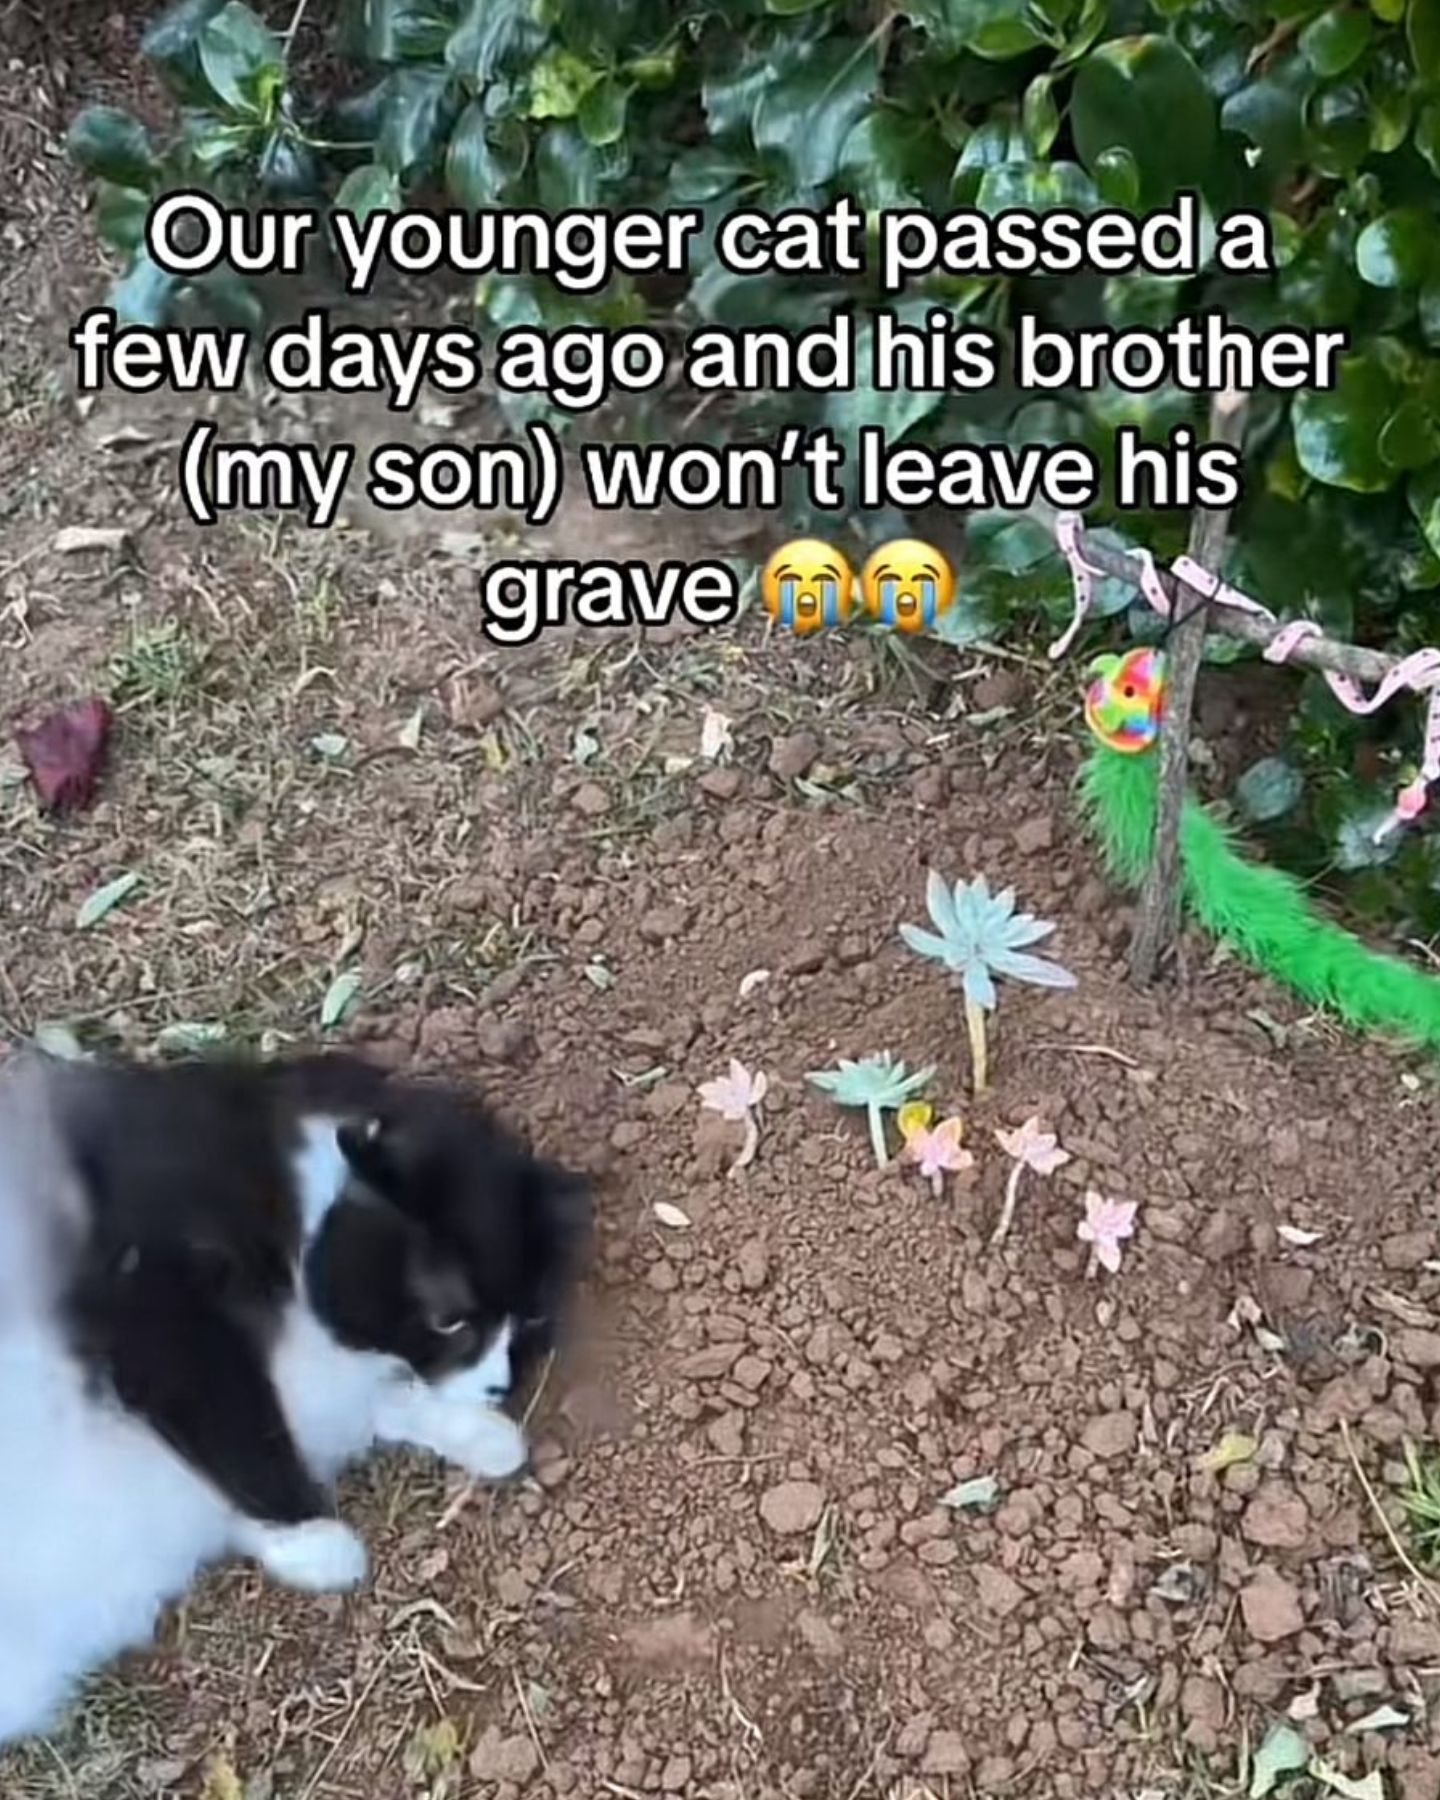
1007	1212
747	1150
877	1136
979	1057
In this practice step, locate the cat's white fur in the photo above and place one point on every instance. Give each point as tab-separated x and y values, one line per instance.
100	1522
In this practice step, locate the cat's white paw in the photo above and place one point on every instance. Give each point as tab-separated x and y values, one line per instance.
488	1445
320	1556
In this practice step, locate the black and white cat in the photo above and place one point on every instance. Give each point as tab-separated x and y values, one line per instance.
219	1283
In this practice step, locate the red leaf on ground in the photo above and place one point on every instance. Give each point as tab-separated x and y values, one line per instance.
65	752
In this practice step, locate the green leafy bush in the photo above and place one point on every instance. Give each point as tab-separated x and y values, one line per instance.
1327	117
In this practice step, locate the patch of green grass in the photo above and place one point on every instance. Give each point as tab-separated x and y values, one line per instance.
1420	1498
157	665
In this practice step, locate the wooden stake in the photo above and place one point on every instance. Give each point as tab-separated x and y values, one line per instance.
1159	918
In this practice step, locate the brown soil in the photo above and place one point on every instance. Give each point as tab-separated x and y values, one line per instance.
730	1574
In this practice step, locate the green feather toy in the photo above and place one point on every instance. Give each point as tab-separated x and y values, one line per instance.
1264	914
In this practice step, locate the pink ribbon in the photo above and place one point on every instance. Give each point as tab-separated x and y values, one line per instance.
1417	674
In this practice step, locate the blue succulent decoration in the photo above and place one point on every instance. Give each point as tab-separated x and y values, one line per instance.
880	1083
980	936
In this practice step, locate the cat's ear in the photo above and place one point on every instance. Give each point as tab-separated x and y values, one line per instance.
368	1145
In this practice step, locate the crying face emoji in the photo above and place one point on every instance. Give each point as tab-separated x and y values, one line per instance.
806	585
907	585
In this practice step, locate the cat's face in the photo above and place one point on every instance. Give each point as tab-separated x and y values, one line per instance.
450	1248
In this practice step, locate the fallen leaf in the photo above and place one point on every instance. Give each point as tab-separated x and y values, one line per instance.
671	1216
1306	1705
60	1042
1372	1787
748	983
71	539
65	753
584	746
981	1493
411	729
186	1036
1384	1718
339	998
715	737
1283	1752
330	744
1293	1234
599	976
221	1781
1234	1447
106	899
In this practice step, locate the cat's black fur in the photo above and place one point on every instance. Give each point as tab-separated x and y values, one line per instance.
445	1227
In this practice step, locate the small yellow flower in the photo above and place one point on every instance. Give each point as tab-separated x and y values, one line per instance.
914	1116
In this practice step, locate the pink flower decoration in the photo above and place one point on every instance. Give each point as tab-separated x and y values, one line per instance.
1105	1225
1036	1149
938	1151
1411	801
733	1095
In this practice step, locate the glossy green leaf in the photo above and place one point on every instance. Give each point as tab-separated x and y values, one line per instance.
104	900
107	142
1145	95
417	104
369	189
492	36
1398	249
120	216
1337	433
1422	29
1269	789
1337	39
997	29
601	114
1117	177
786	9
142	296
1040	115
1423	497
558	83
1037	187
808	114
340	999
1410	438
172	43
1338	126
1427	135
242	59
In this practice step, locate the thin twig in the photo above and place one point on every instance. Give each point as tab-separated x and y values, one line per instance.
334	1749
1092	1050
1007	1211
1431	1591
1319	653
1158	918
520	1695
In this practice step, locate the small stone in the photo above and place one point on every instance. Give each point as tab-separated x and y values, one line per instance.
1414	1641
727	1433
999	1593
753	1264
1406	1250
502	1040
662	923
913	1736
752	1372
792	757
1276	1518
1202	1703
1286	1150
591	800
1417	1347
1110	1435
497	1758
675	1776
710	1363
791	1507
1271	1607
822	1637
1225	1235
720	784
1035	835
945	1754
